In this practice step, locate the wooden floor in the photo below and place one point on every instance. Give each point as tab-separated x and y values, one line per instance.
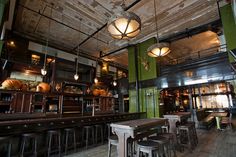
212	143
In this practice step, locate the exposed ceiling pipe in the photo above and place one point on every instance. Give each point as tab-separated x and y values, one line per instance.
99	29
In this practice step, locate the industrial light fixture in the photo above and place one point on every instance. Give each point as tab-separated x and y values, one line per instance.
44	70
158	49
124	25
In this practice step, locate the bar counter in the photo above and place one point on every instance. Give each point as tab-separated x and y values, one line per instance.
37	123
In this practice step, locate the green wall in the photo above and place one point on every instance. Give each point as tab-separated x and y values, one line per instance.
142	57
229	26
148	97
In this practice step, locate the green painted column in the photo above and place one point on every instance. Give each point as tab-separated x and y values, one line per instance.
229	26
148	97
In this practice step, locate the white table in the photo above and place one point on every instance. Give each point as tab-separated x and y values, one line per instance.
175	117
131	128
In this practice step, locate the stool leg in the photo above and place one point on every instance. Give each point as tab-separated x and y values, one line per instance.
59	143
35	147
9	150
150	153
96	134
23	147
138	151
49	144
102	138
66	146
109	149
86	138
74	141
93	135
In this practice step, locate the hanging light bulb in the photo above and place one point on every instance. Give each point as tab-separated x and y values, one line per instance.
114	83
43	71
76	77
95	80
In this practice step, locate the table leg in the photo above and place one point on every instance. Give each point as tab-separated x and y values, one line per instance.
122	145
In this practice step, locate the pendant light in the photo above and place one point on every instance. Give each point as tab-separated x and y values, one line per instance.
44	70
96	79
124	25
158	49
76	76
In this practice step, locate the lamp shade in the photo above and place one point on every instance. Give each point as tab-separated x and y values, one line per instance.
124	25
158	50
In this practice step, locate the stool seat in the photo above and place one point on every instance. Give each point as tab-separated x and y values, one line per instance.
149	147
148	144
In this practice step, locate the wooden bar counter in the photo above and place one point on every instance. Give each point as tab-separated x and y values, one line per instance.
43	123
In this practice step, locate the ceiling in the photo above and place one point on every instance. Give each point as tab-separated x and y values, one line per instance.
73	21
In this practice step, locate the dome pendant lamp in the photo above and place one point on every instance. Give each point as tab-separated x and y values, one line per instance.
160	48
124	25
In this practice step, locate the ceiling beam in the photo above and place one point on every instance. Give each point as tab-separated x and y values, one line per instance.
59	22
99	29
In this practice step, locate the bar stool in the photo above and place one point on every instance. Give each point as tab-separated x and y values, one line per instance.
149	147
97	129
186	137
112	140
27	138
6	140
54	136
164	144
88	130
67	133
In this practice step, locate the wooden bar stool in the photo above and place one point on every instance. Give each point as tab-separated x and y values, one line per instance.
67	133
98	129
6	140
88	131
149	147
54	136
26	138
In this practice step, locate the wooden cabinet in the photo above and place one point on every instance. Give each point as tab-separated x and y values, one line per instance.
6	102
72	103
99	104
